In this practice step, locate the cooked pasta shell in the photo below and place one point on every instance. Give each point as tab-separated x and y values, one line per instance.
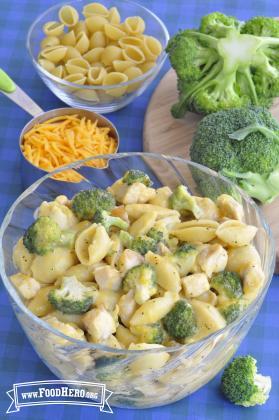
92	245
242	257
236	233
121	65
58	71
195	234
110	54
253	278
95	23
126	41
54	54
95	9
136	210
134	25
68	39
147	66
77	65
94	55
96	75
133	73
80	26
229	207
53	28
49	41
148	362
22	259
72	52
200	223
97	39
113	32
82	44
68	15
114	16
46	64
152	47
134	54
114	78
205	208
77	78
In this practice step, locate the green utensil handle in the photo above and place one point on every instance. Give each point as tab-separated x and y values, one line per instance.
6	83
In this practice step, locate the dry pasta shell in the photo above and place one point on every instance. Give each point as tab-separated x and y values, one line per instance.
82	44
195	234
49	41
92	244
133	73
126	41
95	9
134	54
80	27
93	55
96	75
236	233
68	39
77	78
46	64
58	71
77	65
72	52
87	95
114	16
54	54
114	78
53	28
134	25
113	32
95	23
97	39
147	66
152	48
68	15
110	54
121	65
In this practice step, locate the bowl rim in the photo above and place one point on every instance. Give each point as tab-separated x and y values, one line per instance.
95	346
158	64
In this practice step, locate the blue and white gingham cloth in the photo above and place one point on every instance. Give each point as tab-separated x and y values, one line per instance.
18	361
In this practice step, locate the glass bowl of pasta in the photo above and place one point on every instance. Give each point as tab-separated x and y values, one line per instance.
98	56
133	277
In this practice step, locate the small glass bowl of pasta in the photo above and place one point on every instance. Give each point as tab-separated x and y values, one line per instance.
98	56
145	276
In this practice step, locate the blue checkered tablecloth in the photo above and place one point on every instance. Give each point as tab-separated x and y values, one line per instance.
18	361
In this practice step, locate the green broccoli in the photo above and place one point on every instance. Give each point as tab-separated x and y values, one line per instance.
180	322
72	297
231	310
156	234
141	279
242	144
225	64
150	333
44	235
242	385
227	285
103	217
85	203
184	258
125	238
182	200
135	175
142	244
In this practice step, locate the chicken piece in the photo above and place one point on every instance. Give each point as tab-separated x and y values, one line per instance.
208	297
229	207
108	277
127	306
207	209
99	323
60	213
26	286
212	259
128	260
195	284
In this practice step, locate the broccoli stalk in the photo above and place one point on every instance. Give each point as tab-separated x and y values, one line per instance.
242	385
135	175
44	235
72	297
180	322
86	203
103	217
141	279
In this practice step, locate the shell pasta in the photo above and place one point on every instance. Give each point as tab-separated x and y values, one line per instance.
100	39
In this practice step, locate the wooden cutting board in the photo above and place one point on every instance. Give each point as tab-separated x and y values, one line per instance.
167	135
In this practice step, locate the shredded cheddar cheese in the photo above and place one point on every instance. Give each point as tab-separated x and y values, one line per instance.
66	139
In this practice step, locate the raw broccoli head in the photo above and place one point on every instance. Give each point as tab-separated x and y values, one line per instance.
180	322
72	297
150	333
142	244
181	200
141	279
184	258
242	144
135	175
85	203
225	64
103	217
227	284
231	311
242	385
44	235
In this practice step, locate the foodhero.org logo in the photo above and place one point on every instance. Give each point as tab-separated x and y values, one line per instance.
27	394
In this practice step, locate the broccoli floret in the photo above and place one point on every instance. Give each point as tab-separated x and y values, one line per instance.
125	239
227	284
156	234
135	175
142	244
225	64
150	333
182	200
242	385
44	235
72	297
180	322
141	279
231	311
103	217
184	258
242	144
85	203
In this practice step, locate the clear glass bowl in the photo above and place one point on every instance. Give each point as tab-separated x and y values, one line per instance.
98	98
189	366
